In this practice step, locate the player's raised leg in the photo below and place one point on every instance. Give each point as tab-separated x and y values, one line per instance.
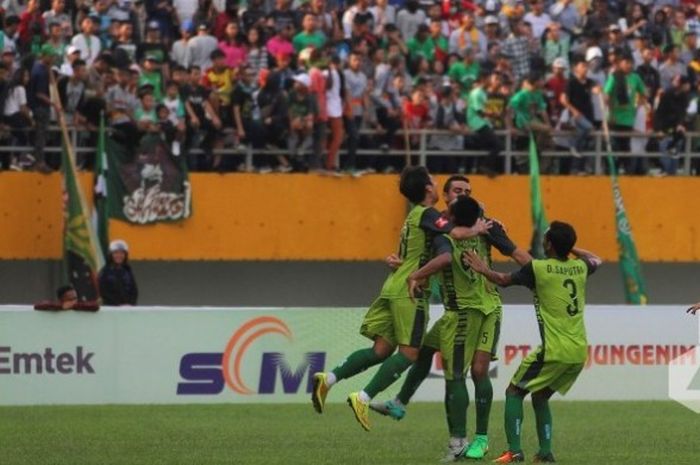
410	319
378	326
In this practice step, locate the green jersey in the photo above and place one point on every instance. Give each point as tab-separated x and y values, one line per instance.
464	74
560	297
525	104
461	287
419	230
624	114
425	49
476	103
303	40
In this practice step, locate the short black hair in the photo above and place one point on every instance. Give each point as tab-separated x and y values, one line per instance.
217	54
61	291
454	178
78	63
465	211
562	236
414	180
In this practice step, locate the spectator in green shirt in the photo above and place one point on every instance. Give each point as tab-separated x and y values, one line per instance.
479	123
421	45
151	75
528	110
465	72
625	92
309	36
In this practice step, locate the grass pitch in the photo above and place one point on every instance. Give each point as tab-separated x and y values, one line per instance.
617	433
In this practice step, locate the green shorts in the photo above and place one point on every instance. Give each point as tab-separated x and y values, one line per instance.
400	321
458	334
535	374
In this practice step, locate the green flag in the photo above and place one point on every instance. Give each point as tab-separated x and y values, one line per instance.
81	258
100	215
635	288
539	218
146	182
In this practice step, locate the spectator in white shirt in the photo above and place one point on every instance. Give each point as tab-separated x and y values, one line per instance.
408	19
383	14
199	48
87	42
538	18
179	50
57	14
72	54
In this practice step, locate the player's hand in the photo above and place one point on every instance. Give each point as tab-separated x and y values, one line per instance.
482	226
415	287
393	261
694	309
503	226
473	261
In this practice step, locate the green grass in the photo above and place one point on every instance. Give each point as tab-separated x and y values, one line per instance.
615	433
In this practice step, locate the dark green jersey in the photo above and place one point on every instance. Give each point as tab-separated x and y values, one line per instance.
560	297
419	230
461	287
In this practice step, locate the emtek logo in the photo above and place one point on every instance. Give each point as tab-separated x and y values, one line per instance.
208	373
47	362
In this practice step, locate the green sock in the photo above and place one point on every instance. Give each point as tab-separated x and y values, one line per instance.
456	404
483	397
356	362
389	372
513	421
415	376
543	417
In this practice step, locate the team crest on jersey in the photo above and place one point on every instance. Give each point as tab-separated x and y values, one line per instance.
441	222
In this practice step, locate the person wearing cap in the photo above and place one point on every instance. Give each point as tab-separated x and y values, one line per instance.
200	48
117	283
617	40
151	75
154	45
302	109
38	96
72	54
87	42
538	18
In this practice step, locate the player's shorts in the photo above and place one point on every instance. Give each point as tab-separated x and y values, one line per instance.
458	334
398	320
534	374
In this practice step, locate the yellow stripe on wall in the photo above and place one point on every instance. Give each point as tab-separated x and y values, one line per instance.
308	217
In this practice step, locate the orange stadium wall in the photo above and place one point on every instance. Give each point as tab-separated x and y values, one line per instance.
300	217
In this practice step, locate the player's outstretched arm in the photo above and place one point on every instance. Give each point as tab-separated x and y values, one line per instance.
418	278
694	308
480	227
522	257
478	265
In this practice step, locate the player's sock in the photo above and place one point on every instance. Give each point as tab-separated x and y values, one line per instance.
513	421
483	397
456	403
390	371
543	417
356	362
415	376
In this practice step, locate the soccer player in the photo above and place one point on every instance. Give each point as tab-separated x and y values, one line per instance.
559	287
466	335
395	319
694	308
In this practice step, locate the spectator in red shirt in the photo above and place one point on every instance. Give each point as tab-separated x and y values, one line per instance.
554	88
31	25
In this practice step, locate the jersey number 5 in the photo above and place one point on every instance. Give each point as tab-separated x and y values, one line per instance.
572	308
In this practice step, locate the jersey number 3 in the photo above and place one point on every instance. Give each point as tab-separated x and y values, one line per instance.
572	308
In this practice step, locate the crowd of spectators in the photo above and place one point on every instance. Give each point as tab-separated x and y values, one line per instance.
311	77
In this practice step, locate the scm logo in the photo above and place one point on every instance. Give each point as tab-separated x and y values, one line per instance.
208	373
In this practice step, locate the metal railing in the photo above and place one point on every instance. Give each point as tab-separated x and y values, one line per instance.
422	150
